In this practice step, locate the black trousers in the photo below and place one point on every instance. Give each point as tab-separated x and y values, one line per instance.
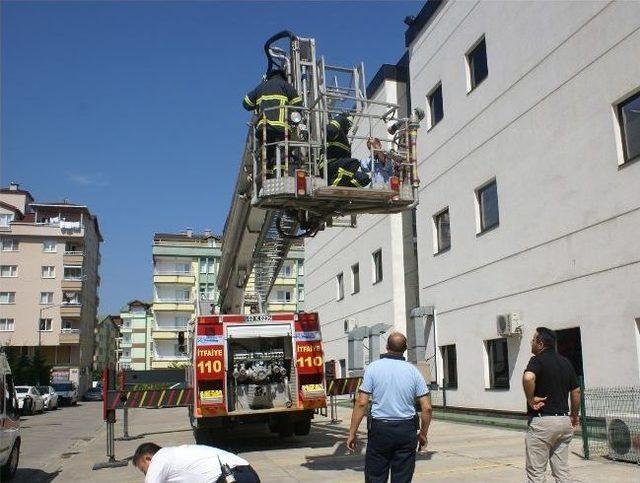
345	172
391	446
273	136
242	474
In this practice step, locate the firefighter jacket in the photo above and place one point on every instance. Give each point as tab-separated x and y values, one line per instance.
274	92
338	145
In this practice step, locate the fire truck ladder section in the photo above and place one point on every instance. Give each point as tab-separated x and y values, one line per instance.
270	210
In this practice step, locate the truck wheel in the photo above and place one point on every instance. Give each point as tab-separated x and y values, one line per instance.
302	428
285	428
201	435
8	471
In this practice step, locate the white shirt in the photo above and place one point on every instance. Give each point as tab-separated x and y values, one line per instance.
189	463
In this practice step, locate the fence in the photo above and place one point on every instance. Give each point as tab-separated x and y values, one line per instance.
611	422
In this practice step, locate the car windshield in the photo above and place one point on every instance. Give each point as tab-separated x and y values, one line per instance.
20	390
63	386
95	389
43	390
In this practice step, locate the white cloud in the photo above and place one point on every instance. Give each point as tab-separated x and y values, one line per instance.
92	179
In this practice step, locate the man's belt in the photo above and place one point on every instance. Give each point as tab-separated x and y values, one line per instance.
542	415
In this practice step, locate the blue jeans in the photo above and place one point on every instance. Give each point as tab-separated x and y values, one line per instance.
391	447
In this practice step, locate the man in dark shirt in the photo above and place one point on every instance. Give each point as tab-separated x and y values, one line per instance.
548	381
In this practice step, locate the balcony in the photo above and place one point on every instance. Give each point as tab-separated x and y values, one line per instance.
72	283
70	336
70	310
73	257
164	357
173	276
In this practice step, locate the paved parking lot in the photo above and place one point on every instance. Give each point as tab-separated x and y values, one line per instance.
63	447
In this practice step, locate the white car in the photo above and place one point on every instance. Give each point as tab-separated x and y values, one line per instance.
67	392
29	400
50	397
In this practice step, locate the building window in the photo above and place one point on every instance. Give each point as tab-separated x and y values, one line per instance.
71	298
434	104
203	265
442	231
46	298
49	246
5	220
355	278
498	355
7	297
477	69
48	272
301	294
339	286
9	244
67	325
8	270
283	296
629	119
45	325
450	365
72	273
287	271
301	268
377	266
7	325
487	202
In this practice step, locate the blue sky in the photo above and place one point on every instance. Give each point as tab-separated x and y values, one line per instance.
134	108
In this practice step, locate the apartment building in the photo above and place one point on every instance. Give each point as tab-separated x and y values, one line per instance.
364	278
135	341
107	334
50	254
185	267
287	294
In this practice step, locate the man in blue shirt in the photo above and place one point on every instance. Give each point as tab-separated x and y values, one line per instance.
393	385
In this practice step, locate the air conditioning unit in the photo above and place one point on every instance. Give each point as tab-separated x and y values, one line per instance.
623	436
349	324
509	324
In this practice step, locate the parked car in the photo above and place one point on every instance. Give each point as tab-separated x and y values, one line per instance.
93	394
67	392
9	423
50	397
30	401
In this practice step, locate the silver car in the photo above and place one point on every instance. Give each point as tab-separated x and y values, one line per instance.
50	397
67	393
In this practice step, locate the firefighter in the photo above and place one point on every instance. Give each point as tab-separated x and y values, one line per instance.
274	91
343	169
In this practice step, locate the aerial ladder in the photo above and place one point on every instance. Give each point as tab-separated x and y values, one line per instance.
268	213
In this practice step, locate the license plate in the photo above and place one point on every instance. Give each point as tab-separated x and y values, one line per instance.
313	388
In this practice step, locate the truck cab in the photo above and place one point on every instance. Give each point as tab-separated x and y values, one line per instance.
9	423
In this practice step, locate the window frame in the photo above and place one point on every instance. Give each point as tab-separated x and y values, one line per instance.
472	83
355	278
11	298
50	323
625	159
489	344
437	249
4	324
445	353
15	243
53	271
49	302
431	122
9	217
375	267
13	273
44	246
480	218
340	286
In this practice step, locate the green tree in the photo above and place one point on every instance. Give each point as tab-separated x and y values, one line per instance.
22	370
40	370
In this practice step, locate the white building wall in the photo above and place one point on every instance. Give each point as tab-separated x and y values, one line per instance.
336	249
543	125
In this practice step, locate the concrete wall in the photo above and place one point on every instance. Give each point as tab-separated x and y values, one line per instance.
541	124
336	250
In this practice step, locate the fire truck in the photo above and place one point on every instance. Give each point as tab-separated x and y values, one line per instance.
256	369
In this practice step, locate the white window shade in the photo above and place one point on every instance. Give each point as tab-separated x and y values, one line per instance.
251	331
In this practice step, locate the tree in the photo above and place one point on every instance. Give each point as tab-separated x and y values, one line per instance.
40	370
22	370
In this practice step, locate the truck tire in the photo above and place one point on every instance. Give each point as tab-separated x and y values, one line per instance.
8	471
201	435
302	427
285	428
